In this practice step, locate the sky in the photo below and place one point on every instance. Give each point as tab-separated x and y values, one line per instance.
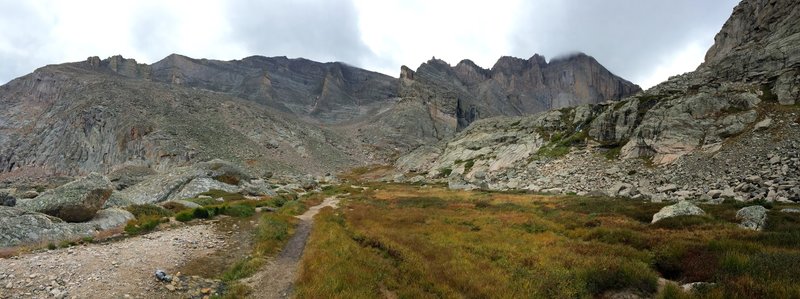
644	41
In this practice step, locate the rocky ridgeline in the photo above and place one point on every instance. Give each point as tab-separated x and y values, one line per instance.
93	204
726	130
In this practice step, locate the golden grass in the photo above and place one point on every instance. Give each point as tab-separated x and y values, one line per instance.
409	242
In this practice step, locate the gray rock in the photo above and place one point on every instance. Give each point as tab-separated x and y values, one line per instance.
790	210
257	188
29	194
714	193
682	208
76	201
6	199
763	124
185	203
752	217
201	185
667	188
20	227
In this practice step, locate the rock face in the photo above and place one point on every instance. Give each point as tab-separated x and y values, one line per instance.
696	132
77	201
513	86
760	42
752	217
682	208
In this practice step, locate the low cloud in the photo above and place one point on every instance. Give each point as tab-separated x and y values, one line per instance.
631	38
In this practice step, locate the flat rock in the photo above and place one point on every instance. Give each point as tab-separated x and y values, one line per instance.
77	201
682	208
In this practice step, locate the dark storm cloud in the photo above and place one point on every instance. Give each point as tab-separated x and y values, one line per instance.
629	37
324	30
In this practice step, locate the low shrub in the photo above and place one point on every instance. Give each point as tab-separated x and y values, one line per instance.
143	224
620	275
185	216
201	213
139	211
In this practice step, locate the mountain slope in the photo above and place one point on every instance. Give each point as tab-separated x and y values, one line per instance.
730	125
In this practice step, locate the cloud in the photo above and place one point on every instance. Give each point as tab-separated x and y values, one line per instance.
632	38
325	30
24	38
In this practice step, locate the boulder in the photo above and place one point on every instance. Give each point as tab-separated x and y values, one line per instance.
6	199
682	208
20	227
752	217
257	188
201	185
667	188
29	194
77	201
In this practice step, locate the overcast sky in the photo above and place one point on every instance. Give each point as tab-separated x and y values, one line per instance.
644	41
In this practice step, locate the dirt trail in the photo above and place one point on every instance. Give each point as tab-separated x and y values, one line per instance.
275	279
121	269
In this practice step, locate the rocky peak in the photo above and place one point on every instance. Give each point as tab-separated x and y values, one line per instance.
406	73
120	65
470	73
509	65
760	42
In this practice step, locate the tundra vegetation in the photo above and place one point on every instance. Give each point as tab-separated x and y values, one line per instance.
403	241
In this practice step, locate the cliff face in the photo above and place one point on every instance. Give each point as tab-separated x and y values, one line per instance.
731	125
760	42
513	86
77	118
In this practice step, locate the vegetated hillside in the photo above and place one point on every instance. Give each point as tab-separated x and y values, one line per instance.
732	125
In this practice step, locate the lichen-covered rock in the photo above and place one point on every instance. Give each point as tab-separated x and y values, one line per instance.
257	188
201	185
76	201
752	217
20	227
682	208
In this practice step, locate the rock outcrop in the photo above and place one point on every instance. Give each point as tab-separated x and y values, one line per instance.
693	134
76	201
752	217
513	86
682	208
20	227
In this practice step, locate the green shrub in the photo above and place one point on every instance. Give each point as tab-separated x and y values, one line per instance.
185	216
148	210
620	275
201	213
239	211
52	246
468	165
143	224
445	172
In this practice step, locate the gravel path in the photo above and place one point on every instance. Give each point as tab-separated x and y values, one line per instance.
121	269
276	278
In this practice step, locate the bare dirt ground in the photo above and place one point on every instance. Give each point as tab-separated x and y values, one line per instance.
123	269
276	278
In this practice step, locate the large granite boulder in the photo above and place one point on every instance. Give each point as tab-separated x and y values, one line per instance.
201	185
21	227
682	208
752	217
77	201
